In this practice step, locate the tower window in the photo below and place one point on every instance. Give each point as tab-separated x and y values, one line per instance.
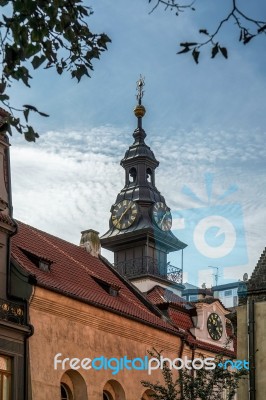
132	175
149	175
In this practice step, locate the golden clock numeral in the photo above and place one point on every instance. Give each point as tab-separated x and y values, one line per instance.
124	202
119	205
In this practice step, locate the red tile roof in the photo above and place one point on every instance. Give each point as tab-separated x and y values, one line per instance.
159	295
74	272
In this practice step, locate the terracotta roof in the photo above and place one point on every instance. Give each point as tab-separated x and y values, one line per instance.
76	273
159	295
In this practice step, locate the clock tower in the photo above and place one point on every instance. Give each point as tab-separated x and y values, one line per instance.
140	224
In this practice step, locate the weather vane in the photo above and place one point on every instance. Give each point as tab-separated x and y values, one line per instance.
140	91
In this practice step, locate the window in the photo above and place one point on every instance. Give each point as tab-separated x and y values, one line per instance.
235	301
5	378
228	293
65	392
149	175
107	396
193	297
132	175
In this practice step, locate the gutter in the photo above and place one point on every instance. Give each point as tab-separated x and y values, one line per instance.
251	349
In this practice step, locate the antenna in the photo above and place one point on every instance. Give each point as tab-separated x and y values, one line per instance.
215	275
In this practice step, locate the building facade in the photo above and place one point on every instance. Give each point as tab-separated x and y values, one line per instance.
251	330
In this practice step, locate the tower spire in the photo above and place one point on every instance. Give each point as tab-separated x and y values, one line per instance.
139	111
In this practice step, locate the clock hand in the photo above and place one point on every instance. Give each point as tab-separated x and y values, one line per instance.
121	216
161	220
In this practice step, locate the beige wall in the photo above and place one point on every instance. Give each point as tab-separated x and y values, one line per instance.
63	325
260	344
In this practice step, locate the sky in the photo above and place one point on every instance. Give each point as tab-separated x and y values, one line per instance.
205	124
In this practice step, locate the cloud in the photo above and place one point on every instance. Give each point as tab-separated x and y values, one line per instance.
68	180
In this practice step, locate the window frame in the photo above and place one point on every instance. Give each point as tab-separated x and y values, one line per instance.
7	373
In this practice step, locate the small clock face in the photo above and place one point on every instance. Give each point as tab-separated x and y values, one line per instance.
124	214
162	216
215	326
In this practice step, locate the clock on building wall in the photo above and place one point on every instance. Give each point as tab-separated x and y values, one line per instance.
162	216
215	326
124	214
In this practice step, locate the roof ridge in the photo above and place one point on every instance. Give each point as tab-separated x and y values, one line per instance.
260	267
45	233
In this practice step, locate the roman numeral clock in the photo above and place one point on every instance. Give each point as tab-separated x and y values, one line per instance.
140	224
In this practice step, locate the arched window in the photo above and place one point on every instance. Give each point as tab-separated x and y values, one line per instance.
107	396
65	392
73	386
132	175
149	175
113	391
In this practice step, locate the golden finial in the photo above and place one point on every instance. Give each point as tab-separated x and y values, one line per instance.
139	110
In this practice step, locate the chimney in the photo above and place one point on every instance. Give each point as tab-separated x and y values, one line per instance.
91	242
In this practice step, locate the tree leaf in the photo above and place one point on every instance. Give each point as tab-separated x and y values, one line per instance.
37	61
187	44
43	114
248	38
263	28
215	50
204	31
185	50
32	108
195	54
224	51
26	114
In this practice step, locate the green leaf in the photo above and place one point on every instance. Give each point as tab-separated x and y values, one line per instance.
204	31
187	44
248	38
43	114
4	97
263	28
215	50
185	50
224	52
26	114
32	108
195	54
37	61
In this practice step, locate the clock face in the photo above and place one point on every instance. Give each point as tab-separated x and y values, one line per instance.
124	214
162	216
215	326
